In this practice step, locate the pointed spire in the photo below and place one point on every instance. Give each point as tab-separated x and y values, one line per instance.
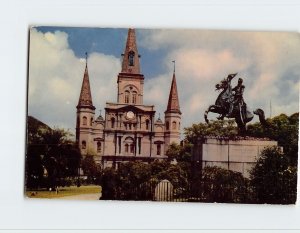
159	120
174	66
173	103
85	98
131	63
100	117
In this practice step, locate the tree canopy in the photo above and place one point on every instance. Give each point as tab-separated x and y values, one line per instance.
50	155
221	128
283	129
273	178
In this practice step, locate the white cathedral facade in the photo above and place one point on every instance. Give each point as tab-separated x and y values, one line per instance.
129	130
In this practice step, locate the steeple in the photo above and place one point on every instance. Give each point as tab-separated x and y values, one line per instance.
130	80
131	63
85	98
173	103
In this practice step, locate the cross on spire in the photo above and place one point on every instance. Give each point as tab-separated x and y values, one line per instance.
86	58
174	66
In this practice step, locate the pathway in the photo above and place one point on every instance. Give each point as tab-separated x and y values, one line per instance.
91	196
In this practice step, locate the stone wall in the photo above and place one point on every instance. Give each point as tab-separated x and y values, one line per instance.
237	155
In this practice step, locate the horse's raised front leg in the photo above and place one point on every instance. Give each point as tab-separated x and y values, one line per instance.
206	113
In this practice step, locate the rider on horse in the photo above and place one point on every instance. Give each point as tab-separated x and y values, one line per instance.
226	98
230	103
238	96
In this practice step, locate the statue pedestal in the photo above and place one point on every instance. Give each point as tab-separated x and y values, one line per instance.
237	155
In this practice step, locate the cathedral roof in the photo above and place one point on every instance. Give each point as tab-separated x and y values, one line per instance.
85	98
173	103
131	63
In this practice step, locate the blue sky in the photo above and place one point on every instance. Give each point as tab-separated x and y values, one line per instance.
269	63
110	42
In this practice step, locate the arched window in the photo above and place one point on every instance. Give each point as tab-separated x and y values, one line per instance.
131	58
112	123
84	120
167	125
158	149
131	148
99	147
91	121
83	145
129	145
127	97
174	125
147	124
178	125
134	94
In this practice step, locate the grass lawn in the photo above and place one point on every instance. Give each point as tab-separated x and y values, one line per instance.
64	191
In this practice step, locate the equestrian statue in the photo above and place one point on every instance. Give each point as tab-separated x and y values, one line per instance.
230	104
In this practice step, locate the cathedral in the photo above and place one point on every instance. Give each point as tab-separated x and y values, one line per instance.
129	130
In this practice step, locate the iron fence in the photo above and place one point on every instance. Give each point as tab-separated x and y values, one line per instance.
200	191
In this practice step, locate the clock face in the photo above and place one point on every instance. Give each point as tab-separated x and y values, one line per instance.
130	115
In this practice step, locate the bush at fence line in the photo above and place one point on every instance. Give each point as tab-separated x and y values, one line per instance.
137	180
177	174
216	184
283	129
109	184
273	178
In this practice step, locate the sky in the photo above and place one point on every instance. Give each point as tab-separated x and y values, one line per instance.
268	62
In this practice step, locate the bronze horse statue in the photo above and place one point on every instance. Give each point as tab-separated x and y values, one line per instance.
228	105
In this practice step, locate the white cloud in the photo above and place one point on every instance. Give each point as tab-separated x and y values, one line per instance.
263	59
268	62
55	78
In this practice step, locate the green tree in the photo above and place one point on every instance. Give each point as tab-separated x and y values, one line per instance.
216	184
179	153
137	180
49	150
35	151
125	182
91	169
175	173
34	169
131	175
109	184
173	151
224	128
273	179
35	129
283	129
57	157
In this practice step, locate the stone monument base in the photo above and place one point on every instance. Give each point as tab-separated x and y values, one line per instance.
237	155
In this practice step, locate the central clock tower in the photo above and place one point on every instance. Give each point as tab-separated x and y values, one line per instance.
129	127
130	80
128	131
